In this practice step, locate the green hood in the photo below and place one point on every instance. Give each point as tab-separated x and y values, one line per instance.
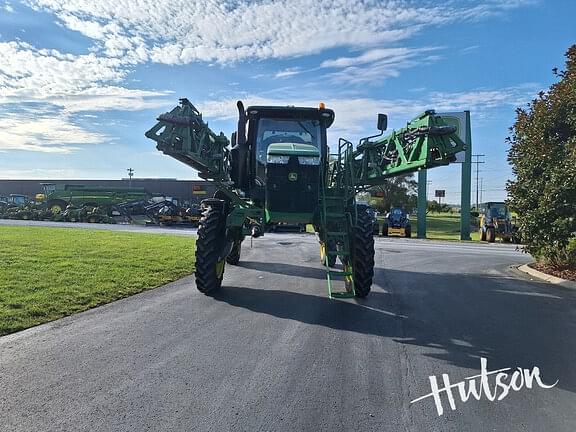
292	149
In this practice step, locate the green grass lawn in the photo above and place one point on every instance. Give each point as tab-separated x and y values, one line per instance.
439	226
48	273
444	226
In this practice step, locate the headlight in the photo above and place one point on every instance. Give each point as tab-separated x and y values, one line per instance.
309	160
275	159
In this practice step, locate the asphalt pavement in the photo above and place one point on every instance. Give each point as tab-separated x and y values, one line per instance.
270	351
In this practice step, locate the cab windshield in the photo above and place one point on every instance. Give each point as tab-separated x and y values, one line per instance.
499	212
290	131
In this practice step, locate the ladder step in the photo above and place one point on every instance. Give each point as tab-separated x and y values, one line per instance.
339	273
343	294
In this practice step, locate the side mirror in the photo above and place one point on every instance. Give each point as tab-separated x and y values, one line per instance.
382	122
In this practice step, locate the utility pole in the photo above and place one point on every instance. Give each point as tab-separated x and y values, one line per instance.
477	162
481	188
130	174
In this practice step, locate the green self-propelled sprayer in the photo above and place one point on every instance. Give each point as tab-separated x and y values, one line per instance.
278	167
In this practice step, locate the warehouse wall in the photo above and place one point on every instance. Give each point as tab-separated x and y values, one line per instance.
186	190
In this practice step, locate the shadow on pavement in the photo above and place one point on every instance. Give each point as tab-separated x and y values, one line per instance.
286	269
460	318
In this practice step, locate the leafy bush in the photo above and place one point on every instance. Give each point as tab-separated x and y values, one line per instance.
543	158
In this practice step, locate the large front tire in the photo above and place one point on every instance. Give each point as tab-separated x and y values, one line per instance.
210	244
490	235
363	252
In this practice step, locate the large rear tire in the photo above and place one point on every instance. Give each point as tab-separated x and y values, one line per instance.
363	252
57	206
210	245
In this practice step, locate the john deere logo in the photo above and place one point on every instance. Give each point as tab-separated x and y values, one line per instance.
292	176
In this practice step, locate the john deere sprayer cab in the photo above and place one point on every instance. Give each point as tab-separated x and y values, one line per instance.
278	167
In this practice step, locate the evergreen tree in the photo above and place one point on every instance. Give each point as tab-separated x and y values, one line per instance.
543	158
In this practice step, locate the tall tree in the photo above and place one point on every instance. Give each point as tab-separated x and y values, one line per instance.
395	192
543	158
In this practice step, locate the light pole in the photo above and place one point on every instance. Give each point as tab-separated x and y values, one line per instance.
130	174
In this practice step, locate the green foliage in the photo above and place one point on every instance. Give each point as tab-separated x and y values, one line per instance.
436	207
398	191
48	273
543	158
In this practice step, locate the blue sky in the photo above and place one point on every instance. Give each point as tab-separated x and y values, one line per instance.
81	81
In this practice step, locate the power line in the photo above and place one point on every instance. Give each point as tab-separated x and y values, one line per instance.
477	162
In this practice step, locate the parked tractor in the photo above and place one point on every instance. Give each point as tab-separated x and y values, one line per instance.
496	222
278	167
397	222
18	200
59	197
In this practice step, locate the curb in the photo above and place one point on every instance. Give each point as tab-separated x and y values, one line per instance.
525	268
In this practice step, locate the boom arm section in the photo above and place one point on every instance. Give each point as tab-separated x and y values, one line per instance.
426	142
183	134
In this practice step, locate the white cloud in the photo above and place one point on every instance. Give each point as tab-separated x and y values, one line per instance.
66	84
376	65
390	55
76	83
47	131
54	133
44	72
114	98
126	33
288	72
356	117
39	173
469	49
181	31
482	100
